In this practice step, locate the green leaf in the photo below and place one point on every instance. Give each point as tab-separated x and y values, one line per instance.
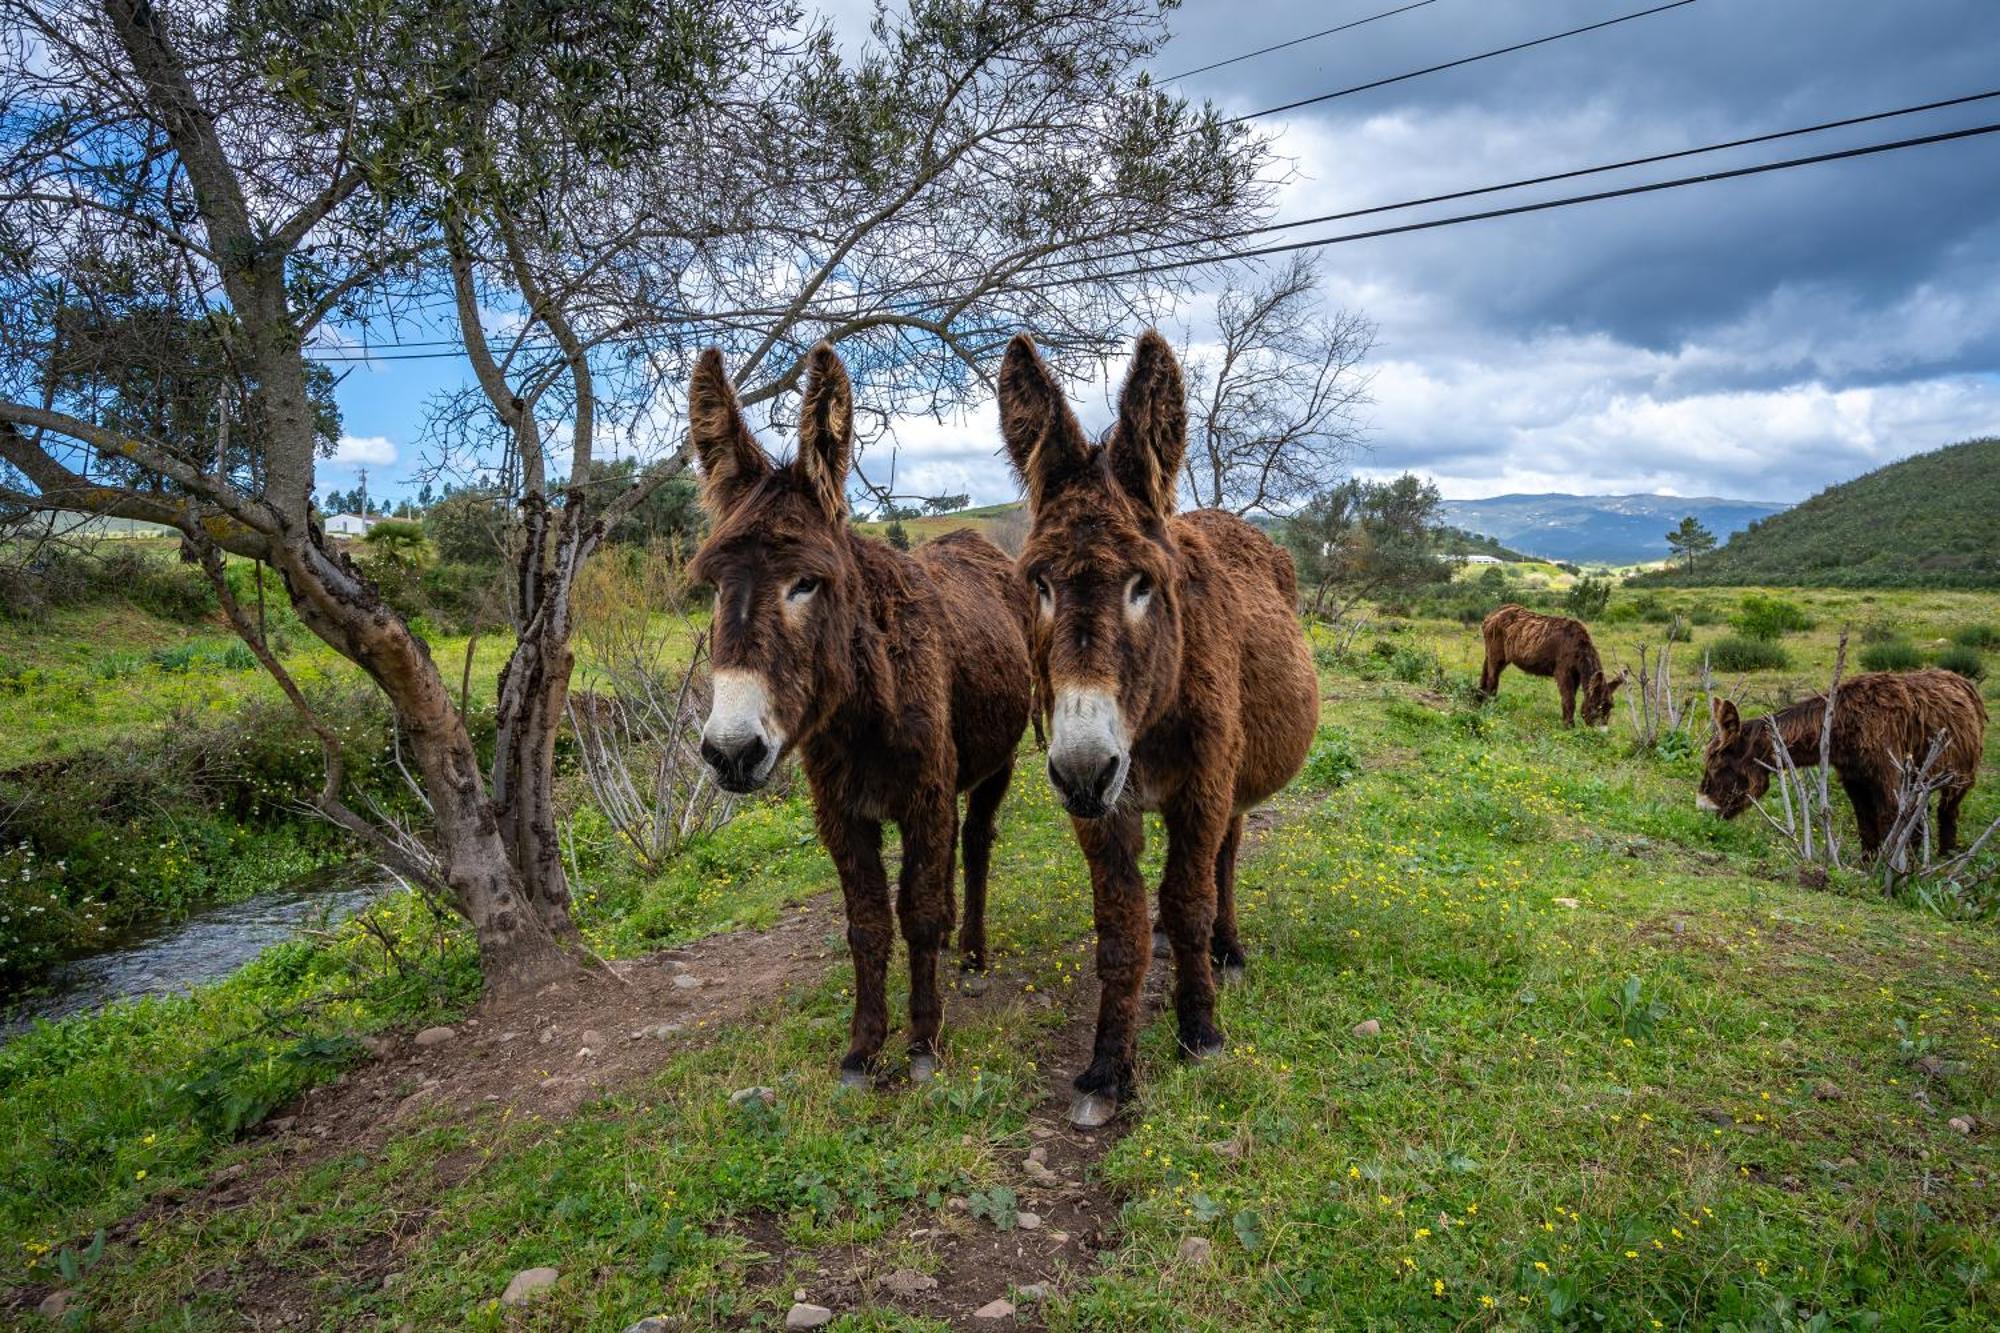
1249	1228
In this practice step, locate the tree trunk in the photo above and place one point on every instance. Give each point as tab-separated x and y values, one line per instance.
517	950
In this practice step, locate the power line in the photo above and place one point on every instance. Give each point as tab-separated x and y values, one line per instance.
1651	187
1454	64
1649	160
1309	37
1456	219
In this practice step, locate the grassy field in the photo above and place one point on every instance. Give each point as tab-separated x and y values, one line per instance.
1628	1074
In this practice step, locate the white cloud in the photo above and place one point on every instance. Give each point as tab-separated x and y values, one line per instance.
369	450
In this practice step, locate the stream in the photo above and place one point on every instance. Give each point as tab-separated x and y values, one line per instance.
174	957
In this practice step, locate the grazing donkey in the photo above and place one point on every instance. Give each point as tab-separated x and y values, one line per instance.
1878	720
1549	646
1176	679
902	680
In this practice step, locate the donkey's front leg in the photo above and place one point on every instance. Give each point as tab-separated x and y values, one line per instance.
1112	846
1196	830
927	904
856	848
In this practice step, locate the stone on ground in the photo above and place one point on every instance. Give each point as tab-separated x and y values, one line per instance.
526	1283
803	1315
437	1036
1196	1249
1000	1309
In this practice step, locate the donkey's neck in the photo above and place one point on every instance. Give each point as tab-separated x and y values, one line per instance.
1799	728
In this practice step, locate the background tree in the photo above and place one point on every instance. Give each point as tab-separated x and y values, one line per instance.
1273	411
1690	539
621	181
1363	539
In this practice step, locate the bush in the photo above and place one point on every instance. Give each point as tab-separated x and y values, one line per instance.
1891	655
1964	660
1332	762
1735	652
1588	597
1978	636
1765	617
1415	666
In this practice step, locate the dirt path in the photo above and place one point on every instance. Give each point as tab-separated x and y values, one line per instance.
545	1055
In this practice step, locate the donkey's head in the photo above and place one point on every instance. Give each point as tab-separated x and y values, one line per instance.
1597	694
1103	567
778	558
1733	773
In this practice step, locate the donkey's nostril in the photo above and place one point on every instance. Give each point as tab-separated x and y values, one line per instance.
712	755
752	754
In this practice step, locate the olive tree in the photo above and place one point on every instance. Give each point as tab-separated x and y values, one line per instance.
587	192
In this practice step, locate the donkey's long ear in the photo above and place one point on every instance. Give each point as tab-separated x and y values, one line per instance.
731	462
1152	426
1044	443
1723	714
826	429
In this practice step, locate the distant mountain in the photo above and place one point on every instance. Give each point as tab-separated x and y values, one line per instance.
1599	529
1932	520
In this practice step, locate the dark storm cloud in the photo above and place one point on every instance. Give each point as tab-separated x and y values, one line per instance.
1772	334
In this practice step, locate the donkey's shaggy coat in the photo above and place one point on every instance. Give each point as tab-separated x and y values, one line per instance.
901	680
1549	646
1879	720
1169	651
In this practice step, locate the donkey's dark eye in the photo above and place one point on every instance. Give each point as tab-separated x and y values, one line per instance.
1139	589
803	588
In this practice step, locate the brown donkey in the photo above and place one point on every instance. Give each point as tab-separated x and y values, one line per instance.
1549	646
1879	720
901	680
1177	680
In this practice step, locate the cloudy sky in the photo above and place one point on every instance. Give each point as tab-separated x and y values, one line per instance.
1755	338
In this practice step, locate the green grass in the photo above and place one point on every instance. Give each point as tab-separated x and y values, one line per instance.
1599	1115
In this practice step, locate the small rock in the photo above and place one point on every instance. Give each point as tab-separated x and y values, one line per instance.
687	981
956	1203
547	1035
664	1031
282	1124
229	1172
1041	1175
1195	1249
802	1315
768	1096
1826	1091
437	1036
1034	1291
1368	1027
650	1324
505	1037
1039	1153
1230	1150
1570	903
584	1052
799	1293
593	1039
1000	1309
1059	1237
1962	1124
909	1282
1716	1117
1041	1131
1028	1221
53	1306
526	1283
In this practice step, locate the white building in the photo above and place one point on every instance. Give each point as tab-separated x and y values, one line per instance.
350	525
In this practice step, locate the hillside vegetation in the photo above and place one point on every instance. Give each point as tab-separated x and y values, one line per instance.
1927	521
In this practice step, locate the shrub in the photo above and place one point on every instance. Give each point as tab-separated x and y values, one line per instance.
1763	617
1704	613
1964	660
1891	655
1332	762
1978	636
1735	652
1415	666
1588	597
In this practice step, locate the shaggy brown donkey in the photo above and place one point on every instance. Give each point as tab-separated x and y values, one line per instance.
1878	719
1549	646
901	680
1177	678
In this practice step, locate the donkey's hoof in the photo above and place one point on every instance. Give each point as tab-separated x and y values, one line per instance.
1229	974
1091	1109
1207	1049
1162	946
974	983
923	1067
856	1078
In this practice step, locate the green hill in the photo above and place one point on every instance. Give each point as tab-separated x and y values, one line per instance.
1928	521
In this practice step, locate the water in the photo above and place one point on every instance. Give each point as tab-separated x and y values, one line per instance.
174	958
